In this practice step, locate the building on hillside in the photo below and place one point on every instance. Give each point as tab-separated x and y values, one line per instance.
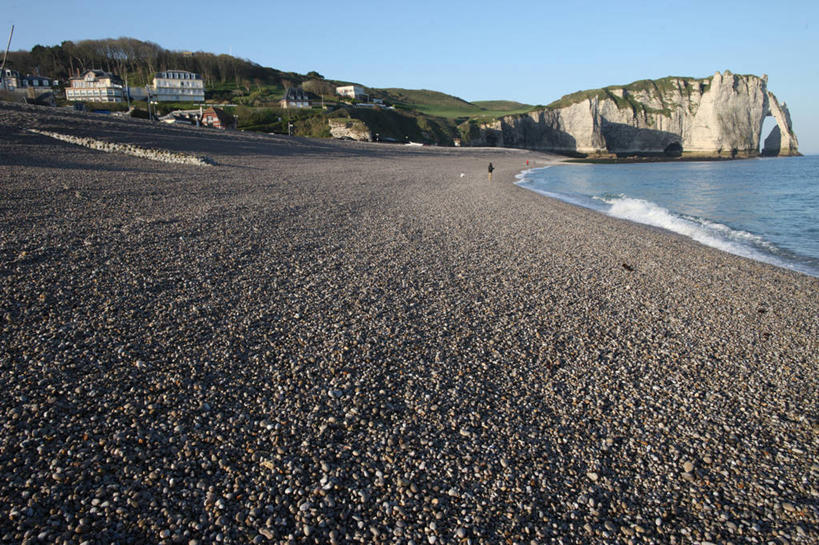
175	120
295	98
191	117
10	80
38	82
96	86
352	91
218	119
178	86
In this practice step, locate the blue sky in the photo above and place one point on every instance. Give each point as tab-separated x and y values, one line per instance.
532	52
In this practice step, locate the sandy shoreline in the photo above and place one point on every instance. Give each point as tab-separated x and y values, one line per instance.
317	341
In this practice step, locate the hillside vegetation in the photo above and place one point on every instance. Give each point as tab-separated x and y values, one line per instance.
501	105
140	60
428	102
418	115
447	106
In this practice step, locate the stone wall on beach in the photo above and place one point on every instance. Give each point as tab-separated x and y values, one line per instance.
164	156
718	116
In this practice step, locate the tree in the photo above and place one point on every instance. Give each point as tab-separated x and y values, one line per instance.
319	87
140	59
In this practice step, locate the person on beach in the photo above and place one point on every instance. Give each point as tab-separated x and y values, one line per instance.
491	168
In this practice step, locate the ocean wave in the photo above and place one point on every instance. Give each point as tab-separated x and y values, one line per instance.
702	230
524	176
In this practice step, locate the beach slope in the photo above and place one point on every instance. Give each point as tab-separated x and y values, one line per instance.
315	341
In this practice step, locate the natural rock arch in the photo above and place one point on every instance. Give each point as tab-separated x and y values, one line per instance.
718	116
781	140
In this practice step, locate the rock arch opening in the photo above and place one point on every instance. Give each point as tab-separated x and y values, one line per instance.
769	126
674	149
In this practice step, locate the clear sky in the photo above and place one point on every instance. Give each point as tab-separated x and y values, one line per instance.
529	51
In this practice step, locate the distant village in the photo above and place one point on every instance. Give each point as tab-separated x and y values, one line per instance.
98	86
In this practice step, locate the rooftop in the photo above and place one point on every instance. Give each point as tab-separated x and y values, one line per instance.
178	74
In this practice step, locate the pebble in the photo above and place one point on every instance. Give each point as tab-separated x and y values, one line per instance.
267	350
128	149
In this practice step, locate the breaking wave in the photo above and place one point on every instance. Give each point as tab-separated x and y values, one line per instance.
702	230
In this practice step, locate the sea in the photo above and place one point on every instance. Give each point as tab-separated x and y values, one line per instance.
765	209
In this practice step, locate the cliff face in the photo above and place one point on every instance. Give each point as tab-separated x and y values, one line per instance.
717	116
780	142
351	129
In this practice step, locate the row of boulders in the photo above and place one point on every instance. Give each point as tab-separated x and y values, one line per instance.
165	156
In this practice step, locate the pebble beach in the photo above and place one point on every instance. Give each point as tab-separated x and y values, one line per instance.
272	339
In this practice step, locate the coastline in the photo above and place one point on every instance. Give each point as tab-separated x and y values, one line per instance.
283	343
709	231
684	158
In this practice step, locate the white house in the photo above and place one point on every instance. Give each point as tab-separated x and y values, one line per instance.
96	86
10	80
178	86
352	91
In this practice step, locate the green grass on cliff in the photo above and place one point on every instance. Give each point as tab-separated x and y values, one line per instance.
657	87
427	102
499	108
439	104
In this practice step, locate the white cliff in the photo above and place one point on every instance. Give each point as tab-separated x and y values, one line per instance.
780	142
351	129
717	116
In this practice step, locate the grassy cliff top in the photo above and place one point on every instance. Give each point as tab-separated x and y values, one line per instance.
658	87
439	104
426	101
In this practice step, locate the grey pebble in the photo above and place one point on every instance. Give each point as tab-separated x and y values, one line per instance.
312	340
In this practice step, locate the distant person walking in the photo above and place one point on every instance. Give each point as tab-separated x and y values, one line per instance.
491	168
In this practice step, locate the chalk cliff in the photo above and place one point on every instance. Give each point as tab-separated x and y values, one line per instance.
780	142
718	116
351	129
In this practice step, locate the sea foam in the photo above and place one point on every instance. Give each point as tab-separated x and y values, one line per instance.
702	230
